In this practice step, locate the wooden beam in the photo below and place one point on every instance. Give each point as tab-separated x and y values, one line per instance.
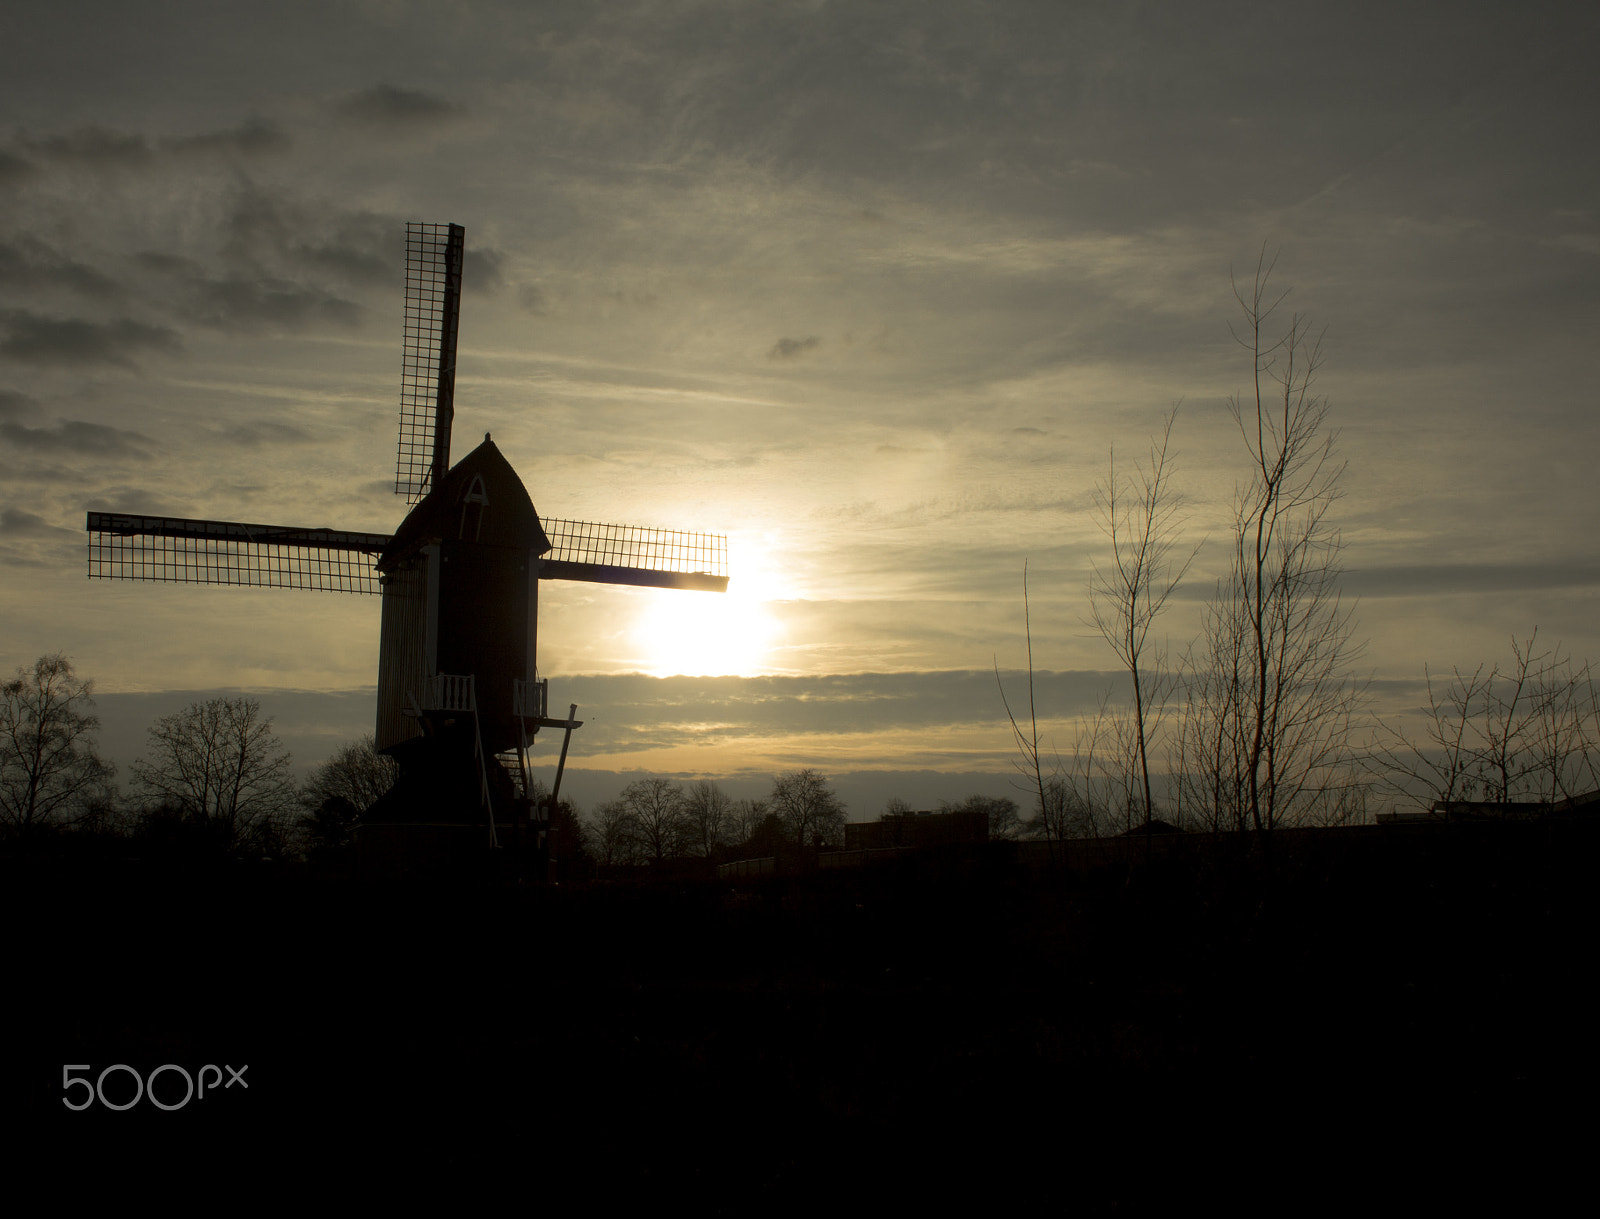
547	722
642	577
122	524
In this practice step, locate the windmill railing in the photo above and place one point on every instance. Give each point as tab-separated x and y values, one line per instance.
530	699
450	692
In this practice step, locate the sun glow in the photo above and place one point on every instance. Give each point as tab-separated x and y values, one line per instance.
714	634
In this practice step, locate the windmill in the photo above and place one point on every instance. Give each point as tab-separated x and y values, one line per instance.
460	698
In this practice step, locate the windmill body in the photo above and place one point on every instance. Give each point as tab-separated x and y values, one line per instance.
460	584
458	683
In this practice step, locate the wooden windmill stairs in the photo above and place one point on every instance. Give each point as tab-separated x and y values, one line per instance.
460	698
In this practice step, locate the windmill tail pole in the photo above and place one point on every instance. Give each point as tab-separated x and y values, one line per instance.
561	766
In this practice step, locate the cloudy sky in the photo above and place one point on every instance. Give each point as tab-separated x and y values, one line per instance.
870	288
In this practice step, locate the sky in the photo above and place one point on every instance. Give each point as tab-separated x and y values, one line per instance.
873	290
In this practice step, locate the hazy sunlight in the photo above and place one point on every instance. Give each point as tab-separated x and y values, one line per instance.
714	634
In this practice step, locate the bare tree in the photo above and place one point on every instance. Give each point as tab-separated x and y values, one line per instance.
1274	702
1535	739
812	814
1140	516
1091	790
218	764
1000	811
1526	731
357	773
747	815
614	836
1208	751
344	787
708	816
1030	757
1565	728
48	766
655	809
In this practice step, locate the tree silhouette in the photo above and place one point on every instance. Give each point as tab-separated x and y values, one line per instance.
613	835
48	765
218	765
648	814
1004	821
1271	701
358	773
709	817
344	787
811	813
1523	731
1140	516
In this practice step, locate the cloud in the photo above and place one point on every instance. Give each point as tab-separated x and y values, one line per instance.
238	304
388	106
73	436
35	339
254	435
126	498
16	523
167	264
13	557
661	712
1443	579
480	270
359	247
98	146
103	147
789	349
275	234
15	406
15	169
31	265
253	137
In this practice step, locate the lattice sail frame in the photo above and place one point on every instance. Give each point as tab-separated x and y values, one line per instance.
631	554
176	550
179	550
434	254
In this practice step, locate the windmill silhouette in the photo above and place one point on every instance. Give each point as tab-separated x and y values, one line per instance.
459	694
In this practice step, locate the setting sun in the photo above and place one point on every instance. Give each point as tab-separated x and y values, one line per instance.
714	634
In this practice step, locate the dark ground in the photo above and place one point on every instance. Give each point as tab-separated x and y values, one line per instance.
1397	1016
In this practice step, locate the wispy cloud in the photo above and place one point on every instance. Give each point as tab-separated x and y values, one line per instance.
30	265
389	106
247	305
14	169
267	433
35	339
74	436
789	349
94	146
16	523
252	138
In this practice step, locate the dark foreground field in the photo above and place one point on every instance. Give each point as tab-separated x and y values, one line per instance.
1397	1016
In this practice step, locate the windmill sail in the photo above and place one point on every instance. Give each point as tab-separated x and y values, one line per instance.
428	363
631	554
178	550
182	551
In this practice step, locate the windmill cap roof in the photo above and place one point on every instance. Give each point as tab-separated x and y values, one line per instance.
508	517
